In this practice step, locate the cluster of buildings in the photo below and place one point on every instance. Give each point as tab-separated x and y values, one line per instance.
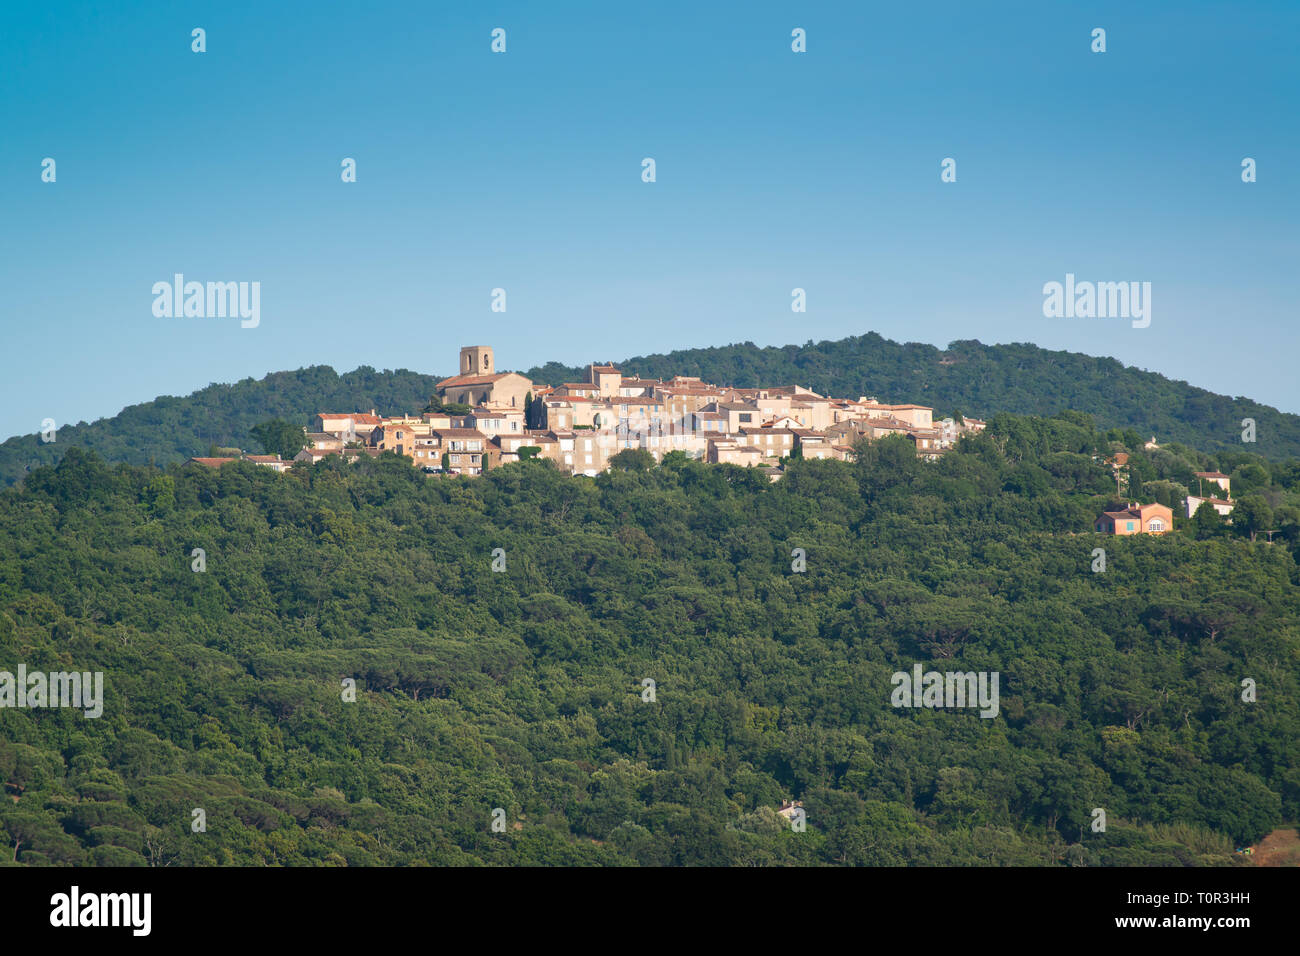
1157	518
486	418
581	425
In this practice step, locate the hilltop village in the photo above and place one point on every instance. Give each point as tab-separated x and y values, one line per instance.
480	419
483	418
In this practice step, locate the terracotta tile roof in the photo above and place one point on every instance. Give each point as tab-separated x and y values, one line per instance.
458	380
212	462
357	419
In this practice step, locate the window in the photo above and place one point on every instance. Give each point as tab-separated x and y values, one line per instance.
455	459
746	417
1130	526
1156	524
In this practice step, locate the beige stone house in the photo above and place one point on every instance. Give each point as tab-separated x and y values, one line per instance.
682	401
579	389
638	387
347	427
607	379
324	441
918	416
1216	478
437	420
399	435
466	450
1223	507
728	450
494	421
576	411
739	415
772	442
812	444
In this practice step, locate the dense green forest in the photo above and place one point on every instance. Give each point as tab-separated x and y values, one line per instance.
523	690
977	380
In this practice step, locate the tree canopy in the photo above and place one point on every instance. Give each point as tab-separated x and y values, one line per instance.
500	631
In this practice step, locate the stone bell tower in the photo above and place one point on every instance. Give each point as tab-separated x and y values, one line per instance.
477	360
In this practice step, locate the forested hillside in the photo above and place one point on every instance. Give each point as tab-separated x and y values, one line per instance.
523	690
977	380
171	429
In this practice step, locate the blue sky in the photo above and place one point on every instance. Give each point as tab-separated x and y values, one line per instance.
522	171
